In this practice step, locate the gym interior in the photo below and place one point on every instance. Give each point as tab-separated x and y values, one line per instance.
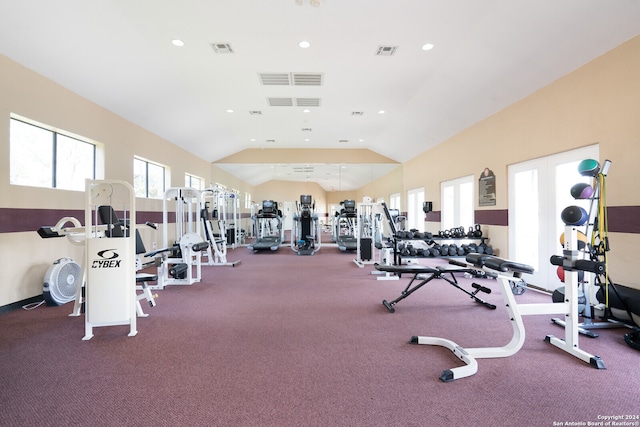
221	351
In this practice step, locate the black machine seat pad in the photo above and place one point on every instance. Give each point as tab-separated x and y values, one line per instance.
498	264
146	277
422	269
406	269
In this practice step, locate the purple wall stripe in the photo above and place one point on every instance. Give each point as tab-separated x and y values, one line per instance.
622	219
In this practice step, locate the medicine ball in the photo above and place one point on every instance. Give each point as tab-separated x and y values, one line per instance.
581	190
589	167
582	240
560	273
558	296
574	215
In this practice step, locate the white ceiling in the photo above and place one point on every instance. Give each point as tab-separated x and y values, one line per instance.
487	54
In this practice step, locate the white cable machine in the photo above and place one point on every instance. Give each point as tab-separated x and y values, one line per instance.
365	229
110	289
216	198
184	254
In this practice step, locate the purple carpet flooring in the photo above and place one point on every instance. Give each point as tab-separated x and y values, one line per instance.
286	340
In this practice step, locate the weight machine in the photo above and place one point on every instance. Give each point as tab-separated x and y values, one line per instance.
216	198
71	228
305	236
368	230
182	254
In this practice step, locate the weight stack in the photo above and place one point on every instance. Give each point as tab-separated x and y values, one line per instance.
365	249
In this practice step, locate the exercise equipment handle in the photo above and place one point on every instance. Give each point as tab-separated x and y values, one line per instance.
592	266
200	246
581	264
556	260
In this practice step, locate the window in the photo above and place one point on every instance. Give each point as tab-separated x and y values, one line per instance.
415	215
394	201
457	203
247	200
40	157
148	179
192	181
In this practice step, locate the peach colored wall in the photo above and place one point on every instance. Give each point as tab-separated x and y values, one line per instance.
25	256
597	103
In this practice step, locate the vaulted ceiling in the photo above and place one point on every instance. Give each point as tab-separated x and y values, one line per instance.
395	77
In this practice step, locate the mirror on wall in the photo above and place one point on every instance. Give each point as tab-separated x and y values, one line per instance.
331	177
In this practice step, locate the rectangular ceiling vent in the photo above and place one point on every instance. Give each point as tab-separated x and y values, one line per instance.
306	129
221	47
274	79
357	113
386	50
280	102
303	169
255	112
308	102
307	79
291	79
343	141
271	140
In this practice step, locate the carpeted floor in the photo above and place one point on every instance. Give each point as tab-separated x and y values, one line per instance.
286	340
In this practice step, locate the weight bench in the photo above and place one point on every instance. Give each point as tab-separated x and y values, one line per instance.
509	271
425	274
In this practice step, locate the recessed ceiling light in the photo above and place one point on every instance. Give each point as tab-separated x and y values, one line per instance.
229	111
306	140
252	140
427	46
361	140
381	112
304	44
306	110
177	42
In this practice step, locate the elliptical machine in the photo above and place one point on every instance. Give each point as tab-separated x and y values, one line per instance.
305	236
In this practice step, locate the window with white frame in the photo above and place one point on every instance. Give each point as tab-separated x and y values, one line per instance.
42	157
415	215
394	201
247	200
148	179
457	203
192	181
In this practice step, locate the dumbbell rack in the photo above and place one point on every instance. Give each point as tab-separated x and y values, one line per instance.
397	255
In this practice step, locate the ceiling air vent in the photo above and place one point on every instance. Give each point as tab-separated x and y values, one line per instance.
303	169
274	79
306	129
307	79
255	112
280	102
386	50
271	140
343	141
308	102
357	113
221	47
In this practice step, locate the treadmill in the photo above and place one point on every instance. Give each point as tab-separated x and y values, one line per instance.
344	231
268	229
